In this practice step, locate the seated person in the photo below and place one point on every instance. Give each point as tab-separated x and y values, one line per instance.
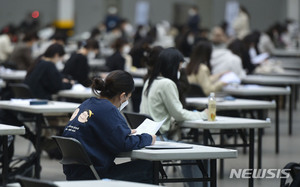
104	133
223	59
119	60
43	78
21	57
198	70
160	97
77	66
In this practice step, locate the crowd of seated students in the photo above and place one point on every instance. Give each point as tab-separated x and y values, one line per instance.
165	84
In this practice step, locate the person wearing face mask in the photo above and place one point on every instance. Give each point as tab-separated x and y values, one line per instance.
21	57
160	97
77	65
119	60
43	78
102	130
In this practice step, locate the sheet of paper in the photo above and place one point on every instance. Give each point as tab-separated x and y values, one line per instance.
148	126
260	58
230	78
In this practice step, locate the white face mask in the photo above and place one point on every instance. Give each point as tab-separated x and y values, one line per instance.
126	49
128	29
123	105
190	39
178	75
91	55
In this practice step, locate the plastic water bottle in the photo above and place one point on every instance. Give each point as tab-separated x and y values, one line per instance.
212	107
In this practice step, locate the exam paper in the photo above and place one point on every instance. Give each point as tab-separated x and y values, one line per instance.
148	126
230	78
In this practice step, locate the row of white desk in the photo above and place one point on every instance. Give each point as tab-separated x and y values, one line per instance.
221	123
197	152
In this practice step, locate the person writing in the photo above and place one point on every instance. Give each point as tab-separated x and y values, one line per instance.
198	70
160	97
77	65
43	78
99	126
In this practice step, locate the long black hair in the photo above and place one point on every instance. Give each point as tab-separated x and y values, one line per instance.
201	54
167	66
151	59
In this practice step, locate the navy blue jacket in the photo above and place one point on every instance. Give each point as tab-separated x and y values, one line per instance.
104	133
45	80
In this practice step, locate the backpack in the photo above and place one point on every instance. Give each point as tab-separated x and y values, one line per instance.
294	172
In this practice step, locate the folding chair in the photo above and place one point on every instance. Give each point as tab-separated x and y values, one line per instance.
21	90
195	91
135	119
31	182
74	153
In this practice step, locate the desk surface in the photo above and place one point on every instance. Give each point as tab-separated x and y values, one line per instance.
92	183
271	80
11	130
87	92
286	52
76	94
52	107
13	75
289	73
96	62
195	153
255	90
237	104
227	123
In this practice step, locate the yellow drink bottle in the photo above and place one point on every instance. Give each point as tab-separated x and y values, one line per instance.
212	107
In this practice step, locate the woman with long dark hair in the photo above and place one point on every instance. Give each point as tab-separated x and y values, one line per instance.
199	69
160	98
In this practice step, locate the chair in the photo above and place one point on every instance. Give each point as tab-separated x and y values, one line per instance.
74	153
31	182
135	119
195	91
21	90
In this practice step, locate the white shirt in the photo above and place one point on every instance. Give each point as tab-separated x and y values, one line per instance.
163	102
223	60
6	47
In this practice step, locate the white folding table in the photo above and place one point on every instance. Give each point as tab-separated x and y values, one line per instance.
223	123
6	130
53	107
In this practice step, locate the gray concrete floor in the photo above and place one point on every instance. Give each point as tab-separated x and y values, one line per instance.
289	151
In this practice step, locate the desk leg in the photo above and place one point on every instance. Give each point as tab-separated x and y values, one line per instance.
291	109
5	161
277	126
251	155
156	172
222	160
259	147
213	172
39	119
